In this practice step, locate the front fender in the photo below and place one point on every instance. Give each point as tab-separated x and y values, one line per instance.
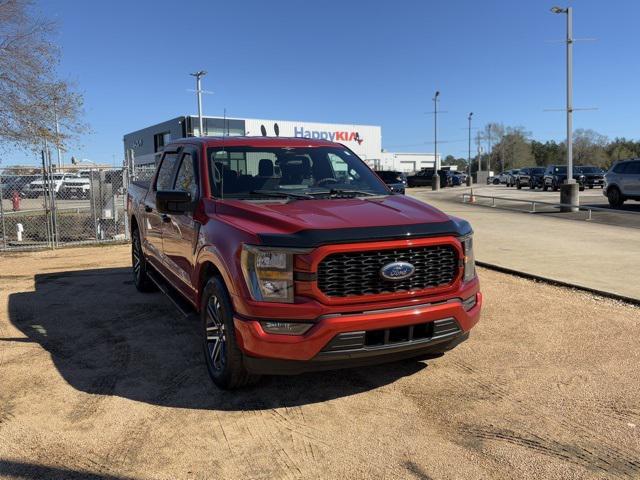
211	254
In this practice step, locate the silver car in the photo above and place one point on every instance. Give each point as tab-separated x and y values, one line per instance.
622	182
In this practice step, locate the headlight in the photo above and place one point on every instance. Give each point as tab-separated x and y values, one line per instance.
268	273
468	261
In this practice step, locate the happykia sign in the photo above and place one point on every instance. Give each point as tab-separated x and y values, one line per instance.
333	136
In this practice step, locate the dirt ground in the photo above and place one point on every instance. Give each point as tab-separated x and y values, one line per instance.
100	381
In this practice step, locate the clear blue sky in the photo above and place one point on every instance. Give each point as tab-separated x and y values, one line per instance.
371	62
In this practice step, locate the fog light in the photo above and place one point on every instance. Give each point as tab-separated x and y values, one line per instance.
469	303
286	328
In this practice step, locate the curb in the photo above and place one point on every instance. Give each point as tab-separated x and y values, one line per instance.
559	283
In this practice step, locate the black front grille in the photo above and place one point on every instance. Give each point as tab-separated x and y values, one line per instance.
358	273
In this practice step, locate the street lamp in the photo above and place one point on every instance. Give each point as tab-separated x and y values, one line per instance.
569	191
435	180
469	156
199	76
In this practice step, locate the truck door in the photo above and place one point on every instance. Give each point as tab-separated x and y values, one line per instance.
153	221
180	231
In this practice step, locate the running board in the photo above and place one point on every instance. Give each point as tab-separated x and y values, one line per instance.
183	306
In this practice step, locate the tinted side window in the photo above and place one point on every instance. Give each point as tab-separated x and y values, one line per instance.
633	168
186	178
620	168
165	174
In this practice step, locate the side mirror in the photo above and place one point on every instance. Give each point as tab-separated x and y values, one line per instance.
173	202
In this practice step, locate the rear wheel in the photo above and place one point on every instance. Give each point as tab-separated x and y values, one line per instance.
222	355
615	197
140	266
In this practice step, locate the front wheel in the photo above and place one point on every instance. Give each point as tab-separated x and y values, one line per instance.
222	355
615	197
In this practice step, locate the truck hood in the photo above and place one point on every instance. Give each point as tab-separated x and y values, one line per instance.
293	223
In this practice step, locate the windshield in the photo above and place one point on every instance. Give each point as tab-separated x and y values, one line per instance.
589	170
253	173
560	169
537	171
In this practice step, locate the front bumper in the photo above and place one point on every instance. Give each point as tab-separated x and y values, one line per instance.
353	339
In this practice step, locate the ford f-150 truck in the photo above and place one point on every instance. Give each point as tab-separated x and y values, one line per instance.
298	257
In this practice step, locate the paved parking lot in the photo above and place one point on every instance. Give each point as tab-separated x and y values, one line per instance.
99	381
626	216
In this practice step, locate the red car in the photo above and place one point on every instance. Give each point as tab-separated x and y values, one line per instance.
298	257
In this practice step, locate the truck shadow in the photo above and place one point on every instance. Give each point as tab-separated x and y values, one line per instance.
105	338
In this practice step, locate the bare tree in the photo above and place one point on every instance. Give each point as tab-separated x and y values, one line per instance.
31	94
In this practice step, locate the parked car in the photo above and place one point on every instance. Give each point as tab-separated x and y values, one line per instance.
14	183
556	175
302	270
593	176
75	186
622	182
458	178
508	177
424	176
493	180
396	181
530	177
41	186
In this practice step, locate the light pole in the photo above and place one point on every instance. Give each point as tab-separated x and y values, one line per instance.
469	156
435	180
199	76
569	191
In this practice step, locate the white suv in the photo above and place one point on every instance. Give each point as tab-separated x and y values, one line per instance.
622	182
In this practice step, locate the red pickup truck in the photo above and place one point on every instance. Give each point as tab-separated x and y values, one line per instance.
297	257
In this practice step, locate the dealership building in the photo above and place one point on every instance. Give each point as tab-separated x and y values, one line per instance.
144	146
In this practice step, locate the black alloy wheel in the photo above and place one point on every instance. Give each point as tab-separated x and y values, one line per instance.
140	266
223	357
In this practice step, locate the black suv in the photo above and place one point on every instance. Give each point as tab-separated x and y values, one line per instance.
593	176
530	177
424	176
556	175
396	181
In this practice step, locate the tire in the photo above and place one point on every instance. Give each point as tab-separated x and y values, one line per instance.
496	181
615	197
140	266
590	187
518	185
581	188
222	355
554	186
532	186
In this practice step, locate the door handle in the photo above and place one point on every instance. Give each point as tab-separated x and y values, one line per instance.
148	209
166	218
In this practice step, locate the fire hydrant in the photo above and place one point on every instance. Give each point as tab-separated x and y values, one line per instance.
15	201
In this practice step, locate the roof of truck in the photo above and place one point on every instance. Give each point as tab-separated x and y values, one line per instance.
237	141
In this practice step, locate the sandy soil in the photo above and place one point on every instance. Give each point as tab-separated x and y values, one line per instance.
100	381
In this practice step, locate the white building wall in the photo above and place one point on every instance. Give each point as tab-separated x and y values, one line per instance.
406	162
364	140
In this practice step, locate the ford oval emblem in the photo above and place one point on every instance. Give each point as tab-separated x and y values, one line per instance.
397	271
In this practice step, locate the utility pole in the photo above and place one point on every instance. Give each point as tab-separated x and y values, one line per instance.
199	76
489	148
569	191
469	155
55	114
435	180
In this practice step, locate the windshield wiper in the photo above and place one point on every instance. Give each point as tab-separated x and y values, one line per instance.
281	194
355	193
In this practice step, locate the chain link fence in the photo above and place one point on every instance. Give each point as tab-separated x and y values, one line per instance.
50	208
